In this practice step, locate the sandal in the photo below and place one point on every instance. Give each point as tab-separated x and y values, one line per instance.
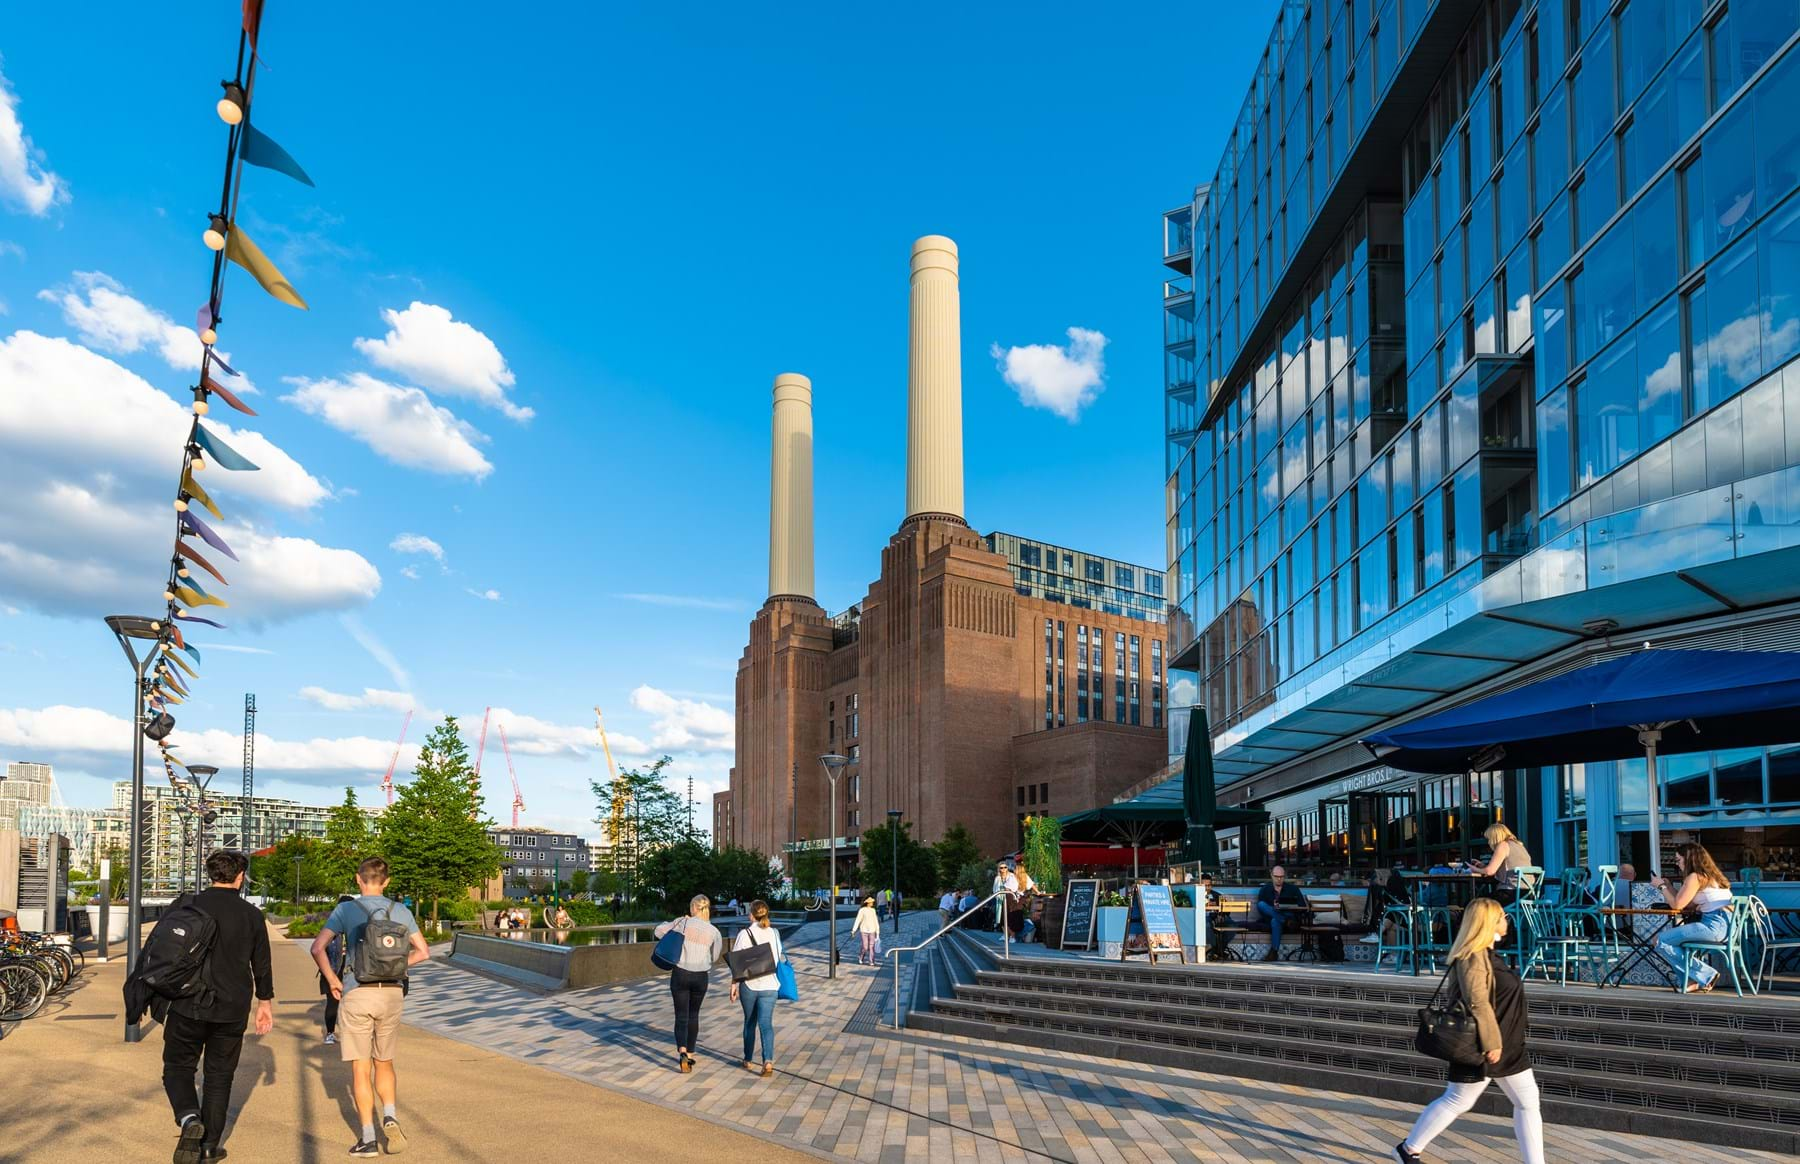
683	1063
749	1066
768	1070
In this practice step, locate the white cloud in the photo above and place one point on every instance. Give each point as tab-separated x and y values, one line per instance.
88	453
1062	379
9	247
428	347
488	595
370	697
24	181
377	650
109	318
410	572
398	422
682	600
411	543
684	725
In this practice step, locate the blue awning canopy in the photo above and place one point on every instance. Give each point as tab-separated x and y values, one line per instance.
1702	700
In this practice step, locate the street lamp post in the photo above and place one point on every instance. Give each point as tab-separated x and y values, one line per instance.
128	627
297	861
834	766
203	816
894	815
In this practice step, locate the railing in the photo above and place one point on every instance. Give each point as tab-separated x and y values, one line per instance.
1005	938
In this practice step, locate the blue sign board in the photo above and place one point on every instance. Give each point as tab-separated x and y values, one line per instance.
1156	905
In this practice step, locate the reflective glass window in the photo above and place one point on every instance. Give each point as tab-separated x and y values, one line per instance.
1550	148
1431	537
1659	372
1372	583
1694	320
1734	342
1553	450
1779	247
1688	77
1480	141
1728	157
1606	413
1467	541
1595	107
1450	184
1654	227
1598	197
1516	295
1778	132
1553	241
1481	239
1605	292
1453	286
1513	189
1696	232
1513	95
1552	336
1552	41
1650	140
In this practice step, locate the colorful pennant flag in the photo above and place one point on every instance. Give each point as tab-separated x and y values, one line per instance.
182	663
195	525
224	393
246	254
192	597
223	455
253	20
192	488
229	370
193	556
259	149
186	617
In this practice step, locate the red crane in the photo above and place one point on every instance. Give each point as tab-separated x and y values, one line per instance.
387	782
480	750
518	797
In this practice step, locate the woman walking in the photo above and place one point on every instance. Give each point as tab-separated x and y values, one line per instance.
1702	888
1496	998
1509	854
758	994
700	948
867	926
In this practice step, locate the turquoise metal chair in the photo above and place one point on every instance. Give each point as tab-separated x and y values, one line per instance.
1549	937
1529	889
1751	880
1731	947
1768	947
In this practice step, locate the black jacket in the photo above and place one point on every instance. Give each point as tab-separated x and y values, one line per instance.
1511	1013
238	962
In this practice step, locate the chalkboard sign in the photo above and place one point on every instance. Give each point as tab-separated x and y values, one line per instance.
1078	914
1157	905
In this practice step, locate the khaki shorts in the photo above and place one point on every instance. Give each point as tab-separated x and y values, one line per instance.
369	1023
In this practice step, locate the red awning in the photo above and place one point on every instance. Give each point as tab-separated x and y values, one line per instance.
1089	856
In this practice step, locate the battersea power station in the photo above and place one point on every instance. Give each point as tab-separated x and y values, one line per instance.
981	679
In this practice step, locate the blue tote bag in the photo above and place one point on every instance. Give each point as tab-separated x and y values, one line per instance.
789	986
667	953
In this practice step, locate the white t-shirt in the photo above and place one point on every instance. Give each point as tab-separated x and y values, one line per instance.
755	934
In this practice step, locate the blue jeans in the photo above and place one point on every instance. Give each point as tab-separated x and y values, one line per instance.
1273	916
759	1011
1710	928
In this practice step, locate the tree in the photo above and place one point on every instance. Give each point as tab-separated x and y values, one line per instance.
977	877
809	869
434	836
918	865
578	881
275	874
348	839
674	873
1043	852
640	814
955	849
743	874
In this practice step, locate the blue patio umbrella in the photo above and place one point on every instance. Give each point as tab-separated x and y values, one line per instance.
1651	701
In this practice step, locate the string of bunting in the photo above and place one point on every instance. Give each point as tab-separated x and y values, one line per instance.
176	662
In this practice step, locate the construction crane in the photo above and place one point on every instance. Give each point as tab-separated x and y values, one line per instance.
248	840
518	797
387	782
480	750
621	804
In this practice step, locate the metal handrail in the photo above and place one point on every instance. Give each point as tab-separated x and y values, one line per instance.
1005	938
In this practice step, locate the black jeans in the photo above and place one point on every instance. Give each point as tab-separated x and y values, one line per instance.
689	990
184	1041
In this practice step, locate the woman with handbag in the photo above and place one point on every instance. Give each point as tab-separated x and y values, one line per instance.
754	957
867	927
700	946
1703	898
1487	992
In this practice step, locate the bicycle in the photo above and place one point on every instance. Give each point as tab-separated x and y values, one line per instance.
23	990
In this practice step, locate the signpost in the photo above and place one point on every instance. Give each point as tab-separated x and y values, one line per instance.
1156	905
1079	915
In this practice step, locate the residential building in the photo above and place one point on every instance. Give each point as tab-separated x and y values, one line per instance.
169	826
1479	356
724	834
976	675
531	857
25	785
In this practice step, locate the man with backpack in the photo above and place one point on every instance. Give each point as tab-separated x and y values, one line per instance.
207	980
381	941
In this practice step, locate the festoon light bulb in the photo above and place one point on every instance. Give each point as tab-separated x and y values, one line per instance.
181	504
231	105
197	464
209	337
216	230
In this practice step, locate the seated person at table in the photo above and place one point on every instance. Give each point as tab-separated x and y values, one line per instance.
1215	914
1509	854
1275	893
1702	888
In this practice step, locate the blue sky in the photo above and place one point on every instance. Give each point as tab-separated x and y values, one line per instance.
516	454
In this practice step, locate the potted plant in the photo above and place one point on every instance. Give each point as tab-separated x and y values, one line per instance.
1042	853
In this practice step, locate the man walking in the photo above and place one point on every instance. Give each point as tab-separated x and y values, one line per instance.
208	1030
381	941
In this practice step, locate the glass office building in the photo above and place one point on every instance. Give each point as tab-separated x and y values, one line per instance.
1083	580
1480	366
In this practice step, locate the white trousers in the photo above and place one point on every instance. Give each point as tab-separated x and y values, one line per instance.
1528	1122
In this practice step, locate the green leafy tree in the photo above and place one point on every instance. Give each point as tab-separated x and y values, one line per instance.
1043	852
640	814
809	869
955	849
673	874
578	881
275	875
743	874
120	882
434	836
977	876
348	839
881	852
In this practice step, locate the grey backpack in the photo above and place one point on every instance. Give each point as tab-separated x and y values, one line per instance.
381	952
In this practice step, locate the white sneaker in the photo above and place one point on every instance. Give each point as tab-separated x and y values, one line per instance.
330	1040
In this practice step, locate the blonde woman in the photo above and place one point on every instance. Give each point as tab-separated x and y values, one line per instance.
758	994
1509	854
867	927
701	945
1496	998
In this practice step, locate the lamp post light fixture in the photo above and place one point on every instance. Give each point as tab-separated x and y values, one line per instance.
834	765
297	861
894	815
203	816
129	627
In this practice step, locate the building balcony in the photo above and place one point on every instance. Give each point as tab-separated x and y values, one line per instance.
1174	289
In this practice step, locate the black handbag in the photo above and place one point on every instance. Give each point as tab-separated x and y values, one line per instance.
1448	1032
753	961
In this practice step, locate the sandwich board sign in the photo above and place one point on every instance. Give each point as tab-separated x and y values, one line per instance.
1079	914
1156	911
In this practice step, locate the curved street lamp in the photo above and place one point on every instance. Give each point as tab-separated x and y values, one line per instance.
834	765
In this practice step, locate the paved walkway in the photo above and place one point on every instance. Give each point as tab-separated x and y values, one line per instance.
853	1090
72	1090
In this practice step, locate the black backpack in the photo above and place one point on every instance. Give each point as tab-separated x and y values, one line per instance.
173	961
381	951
